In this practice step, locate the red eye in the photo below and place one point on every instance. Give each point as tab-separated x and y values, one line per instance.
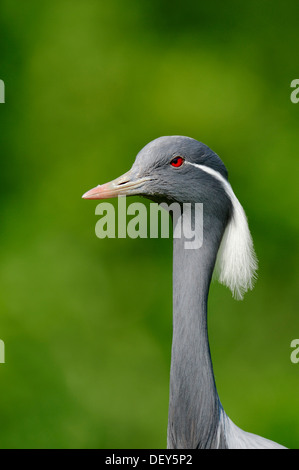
177	161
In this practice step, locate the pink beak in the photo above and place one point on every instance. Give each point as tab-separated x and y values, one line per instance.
125	185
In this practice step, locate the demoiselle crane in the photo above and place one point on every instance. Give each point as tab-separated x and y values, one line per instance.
181	169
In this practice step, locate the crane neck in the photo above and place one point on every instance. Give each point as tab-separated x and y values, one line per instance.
194	406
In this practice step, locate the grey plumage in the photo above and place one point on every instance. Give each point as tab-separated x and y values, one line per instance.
196	417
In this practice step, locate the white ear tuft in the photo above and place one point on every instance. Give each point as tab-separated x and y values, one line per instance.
236	263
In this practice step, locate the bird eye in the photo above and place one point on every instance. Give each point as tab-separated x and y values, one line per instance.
177	161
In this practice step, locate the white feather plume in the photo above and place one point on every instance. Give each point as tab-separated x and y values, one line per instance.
236	263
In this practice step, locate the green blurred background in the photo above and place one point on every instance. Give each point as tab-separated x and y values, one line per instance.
87	322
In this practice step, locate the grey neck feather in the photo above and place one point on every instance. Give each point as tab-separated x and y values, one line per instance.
194	406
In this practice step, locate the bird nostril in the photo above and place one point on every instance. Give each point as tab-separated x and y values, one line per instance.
123	182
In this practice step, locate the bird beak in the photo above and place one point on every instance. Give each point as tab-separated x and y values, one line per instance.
125	185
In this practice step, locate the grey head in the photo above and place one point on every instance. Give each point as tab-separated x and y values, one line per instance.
153	175
158	154
181	169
